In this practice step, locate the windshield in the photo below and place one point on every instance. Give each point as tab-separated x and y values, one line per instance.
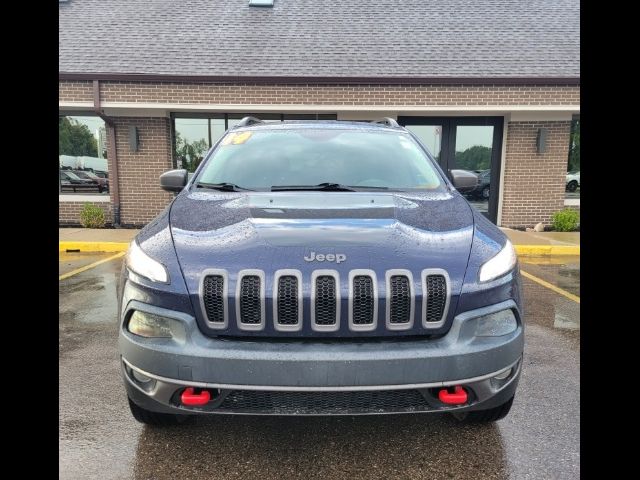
262	159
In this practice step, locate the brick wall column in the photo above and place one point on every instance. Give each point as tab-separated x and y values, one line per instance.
534	184
141	197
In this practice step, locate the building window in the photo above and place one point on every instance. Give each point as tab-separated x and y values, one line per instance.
195	134
82	150
191	141
572	183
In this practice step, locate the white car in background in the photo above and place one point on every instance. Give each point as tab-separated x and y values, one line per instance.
573	181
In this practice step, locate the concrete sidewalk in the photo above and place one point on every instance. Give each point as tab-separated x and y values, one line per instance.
97	234
544	243
118	239
542	238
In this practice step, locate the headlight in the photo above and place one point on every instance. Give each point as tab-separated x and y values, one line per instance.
496	324
145	266
150	325
502	263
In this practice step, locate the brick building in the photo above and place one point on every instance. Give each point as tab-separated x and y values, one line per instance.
489	86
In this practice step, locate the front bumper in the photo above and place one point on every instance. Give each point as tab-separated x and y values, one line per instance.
322	377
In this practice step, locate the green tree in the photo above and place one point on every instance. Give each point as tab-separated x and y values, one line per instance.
477	157
75	139
574	148
191	153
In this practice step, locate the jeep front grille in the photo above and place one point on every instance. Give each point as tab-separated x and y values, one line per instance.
287	298
250	301
213	298
404	309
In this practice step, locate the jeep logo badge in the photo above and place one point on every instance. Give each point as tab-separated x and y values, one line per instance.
329	257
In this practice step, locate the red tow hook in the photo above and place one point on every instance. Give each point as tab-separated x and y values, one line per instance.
457	397
188	397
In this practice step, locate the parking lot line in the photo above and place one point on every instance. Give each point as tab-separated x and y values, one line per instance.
90	266
551	286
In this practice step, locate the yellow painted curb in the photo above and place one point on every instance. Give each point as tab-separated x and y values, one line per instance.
93	246
541	250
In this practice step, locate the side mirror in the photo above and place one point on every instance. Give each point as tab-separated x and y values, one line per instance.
463	180
173	180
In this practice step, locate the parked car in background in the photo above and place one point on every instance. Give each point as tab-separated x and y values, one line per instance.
69	181
482	190
102	183
573	181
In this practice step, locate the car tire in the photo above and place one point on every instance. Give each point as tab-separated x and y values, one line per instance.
485	416
572	186
485	193
154	418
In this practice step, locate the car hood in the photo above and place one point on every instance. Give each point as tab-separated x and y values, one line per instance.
271	231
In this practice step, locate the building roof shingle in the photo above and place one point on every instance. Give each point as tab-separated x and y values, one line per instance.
322	38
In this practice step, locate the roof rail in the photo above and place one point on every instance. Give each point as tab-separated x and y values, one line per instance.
388	121
246	121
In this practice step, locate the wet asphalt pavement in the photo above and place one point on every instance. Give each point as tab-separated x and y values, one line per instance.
98	438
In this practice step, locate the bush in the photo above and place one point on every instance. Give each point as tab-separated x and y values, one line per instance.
566	220
92	216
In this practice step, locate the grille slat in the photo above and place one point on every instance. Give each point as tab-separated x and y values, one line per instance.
363	300
310	403
436	297
287	311
250	301
213	298
399	298
325	301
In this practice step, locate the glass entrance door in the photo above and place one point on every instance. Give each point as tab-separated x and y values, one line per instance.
465	143
431	136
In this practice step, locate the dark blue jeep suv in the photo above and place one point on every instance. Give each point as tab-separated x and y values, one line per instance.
320	268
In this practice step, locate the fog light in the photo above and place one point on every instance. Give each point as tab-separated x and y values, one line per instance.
142	378
142	381
504	374
496	324
149	325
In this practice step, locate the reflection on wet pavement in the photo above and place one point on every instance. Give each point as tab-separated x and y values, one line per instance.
562	271
552	309
99	439
403	446
73	260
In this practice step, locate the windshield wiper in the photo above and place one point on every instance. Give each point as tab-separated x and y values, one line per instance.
368	187
225	187
326	186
